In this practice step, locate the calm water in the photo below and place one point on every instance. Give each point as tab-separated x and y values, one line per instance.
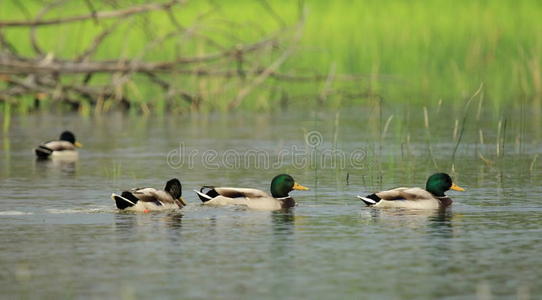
62	238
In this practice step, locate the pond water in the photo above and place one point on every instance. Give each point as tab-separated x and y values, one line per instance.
61	236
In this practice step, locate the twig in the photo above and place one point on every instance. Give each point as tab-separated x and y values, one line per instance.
531	168
485	160
465	115
269	70
327	84
98	15
273	13
39	16
32	66
92	11
8	46
98	40
428	137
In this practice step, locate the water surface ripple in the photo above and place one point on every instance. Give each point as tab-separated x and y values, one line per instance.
62	238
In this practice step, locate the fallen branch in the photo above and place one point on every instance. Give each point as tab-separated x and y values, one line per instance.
209	60
72	67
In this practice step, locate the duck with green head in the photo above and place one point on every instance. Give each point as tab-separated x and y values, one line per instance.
432	197
281	186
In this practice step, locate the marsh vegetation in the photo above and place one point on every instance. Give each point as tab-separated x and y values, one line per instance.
262	55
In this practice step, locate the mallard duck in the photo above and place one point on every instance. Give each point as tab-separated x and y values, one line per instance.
150	199
432	197
65	147
281	185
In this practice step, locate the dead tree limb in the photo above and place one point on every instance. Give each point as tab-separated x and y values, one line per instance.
243	93
210	58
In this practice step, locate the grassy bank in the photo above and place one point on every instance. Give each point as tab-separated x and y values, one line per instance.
406	51
426	50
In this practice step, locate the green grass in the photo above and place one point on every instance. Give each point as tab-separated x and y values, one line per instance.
409	51
423	51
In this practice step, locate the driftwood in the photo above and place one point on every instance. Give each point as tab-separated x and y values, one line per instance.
70	79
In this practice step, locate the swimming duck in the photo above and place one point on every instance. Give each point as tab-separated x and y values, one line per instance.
281	186
432	197
64	147
150	199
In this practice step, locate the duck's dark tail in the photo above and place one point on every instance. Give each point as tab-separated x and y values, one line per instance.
43	152
206	195
125	200
370	200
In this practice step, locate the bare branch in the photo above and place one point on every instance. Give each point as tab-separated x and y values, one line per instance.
93	12
193	78
269	70
98	40
273	13
99	15
21	67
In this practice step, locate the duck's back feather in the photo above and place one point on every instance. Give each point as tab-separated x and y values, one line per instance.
403	193
413	198
46	149
59	145
251	198
240	192
158	197
141	199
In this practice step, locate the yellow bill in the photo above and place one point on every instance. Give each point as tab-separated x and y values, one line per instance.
78	145
182	201
299	187
457	188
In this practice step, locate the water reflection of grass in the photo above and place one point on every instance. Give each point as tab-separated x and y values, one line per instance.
114	171
415	51
453	139
7	117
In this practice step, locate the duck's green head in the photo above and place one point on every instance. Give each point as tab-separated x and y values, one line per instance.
438	183
283	184
68	136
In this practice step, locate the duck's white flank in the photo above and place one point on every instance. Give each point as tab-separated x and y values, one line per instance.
142	206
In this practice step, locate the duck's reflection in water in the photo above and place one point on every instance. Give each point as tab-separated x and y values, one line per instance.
136	225
432	232
283	222
65	165
415	219
283	252
173	219
441	223
442	233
